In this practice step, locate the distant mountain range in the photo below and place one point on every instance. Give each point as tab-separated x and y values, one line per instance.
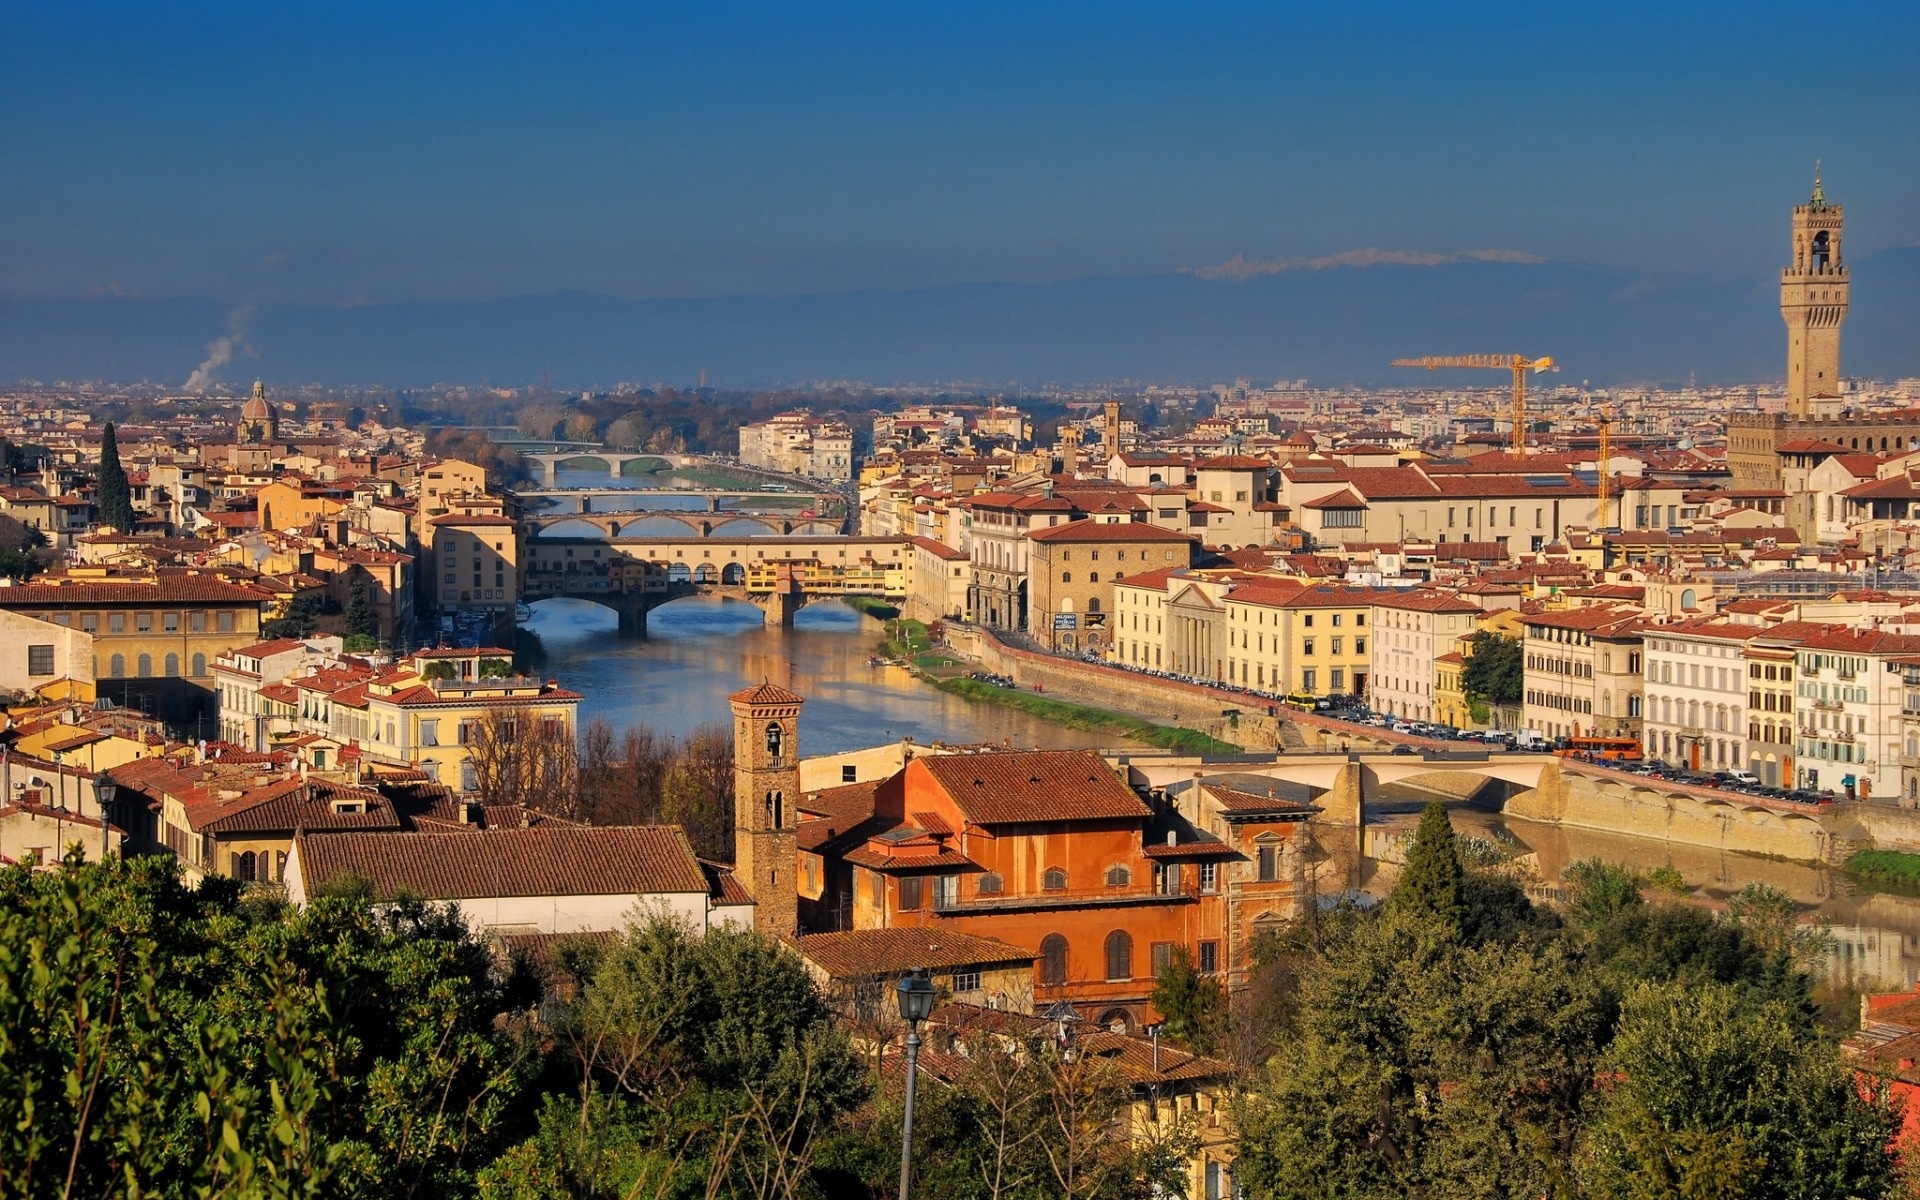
1336	325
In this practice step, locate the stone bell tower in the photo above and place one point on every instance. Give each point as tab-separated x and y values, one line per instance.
766	790
1813	302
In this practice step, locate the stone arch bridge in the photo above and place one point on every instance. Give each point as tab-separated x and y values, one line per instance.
702	525
1550	790
781	575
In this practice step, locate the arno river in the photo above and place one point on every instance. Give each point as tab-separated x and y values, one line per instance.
698	652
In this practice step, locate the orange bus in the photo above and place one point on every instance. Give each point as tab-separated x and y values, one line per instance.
1602	749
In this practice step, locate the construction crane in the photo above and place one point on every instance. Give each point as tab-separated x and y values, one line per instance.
1519	364
1606	456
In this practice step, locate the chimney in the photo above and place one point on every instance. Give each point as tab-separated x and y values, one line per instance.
1154	1030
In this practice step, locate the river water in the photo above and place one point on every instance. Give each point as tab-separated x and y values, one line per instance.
699	651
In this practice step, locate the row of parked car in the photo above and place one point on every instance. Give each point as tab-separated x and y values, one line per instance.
1744	782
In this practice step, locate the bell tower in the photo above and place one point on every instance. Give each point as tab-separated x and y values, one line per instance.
1813	302
766	791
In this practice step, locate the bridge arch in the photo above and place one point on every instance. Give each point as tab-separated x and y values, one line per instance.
743	527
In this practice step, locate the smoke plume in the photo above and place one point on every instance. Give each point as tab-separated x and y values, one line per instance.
220	350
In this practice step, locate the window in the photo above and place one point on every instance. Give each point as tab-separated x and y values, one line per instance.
1053	960
144	666
468	778
199	666
170	622
1306	647
117	667
878	889
966	980
172	666
117	623
1269	861
429	733
1209	956
1055	880
39	660
89	623
1209	878
1119	955
946	891
143	622
910	893
1118	876
1306	622
1162	955
1335	647
1066	577
1166	879
990	884
225	622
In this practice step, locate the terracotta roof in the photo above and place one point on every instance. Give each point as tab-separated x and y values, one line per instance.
939	549
1344	498
896	951
1089	530
165	590
1032	786
555	860
1238	462
766	693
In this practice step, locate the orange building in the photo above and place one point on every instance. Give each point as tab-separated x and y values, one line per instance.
1048	850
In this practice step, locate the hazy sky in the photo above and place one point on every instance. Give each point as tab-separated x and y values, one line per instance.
333	153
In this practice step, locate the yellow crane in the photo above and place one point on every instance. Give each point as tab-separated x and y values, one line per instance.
1519	364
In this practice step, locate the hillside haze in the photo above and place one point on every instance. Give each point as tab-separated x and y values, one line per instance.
1331	326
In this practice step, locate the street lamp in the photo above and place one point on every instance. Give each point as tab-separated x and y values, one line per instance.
104	789
915	993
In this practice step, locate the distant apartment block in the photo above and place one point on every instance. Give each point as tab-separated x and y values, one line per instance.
799	443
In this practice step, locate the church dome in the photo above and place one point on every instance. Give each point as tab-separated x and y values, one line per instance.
256	408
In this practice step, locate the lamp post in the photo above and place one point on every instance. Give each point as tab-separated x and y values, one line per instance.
104	789
915	993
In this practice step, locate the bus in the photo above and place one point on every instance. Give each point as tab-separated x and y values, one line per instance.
1304	701
1602	749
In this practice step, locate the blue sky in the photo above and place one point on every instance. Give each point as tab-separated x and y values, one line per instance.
339	153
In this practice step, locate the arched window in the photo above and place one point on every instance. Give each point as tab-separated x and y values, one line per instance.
199	666
243	866
117	667
1053	960
143	666
776	806
1066	577
773	738
1093	604
1688	599
990	884
1055	880
1118	876
1633	706
1119	955
1093	577
172	665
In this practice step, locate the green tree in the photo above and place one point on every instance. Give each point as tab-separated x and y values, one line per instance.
115	495
1496	669
359	615
298	621
1433	881
1708	1096
1193	1006
1600	892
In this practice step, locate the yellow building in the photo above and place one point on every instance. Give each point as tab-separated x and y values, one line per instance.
285	506
1286	637
155	634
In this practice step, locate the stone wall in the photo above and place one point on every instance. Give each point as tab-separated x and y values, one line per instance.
1627	804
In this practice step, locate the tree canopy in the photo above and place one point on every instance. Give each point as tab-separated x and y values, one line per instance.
1495	669
115	495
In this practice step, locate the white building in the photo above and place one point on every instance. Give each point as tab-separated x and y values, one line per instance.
1696	692
547	879
1410	631
1849	704
35	653
798	443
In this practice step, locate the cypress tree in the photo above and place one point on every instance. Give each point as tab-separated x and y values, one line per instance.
359	615
1433	879
115	496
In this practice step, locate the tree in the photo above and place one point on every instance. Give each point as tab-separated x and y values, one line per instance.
21	548
1496	669
298	621
521	756
359	616
1432	882
1708	1096
1194	1006
115	495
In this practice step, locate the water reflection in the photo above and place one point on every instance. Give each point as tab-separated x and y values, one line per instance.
700	651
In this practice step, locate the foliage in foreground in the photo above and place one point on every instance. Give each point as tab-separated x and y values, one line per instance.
1449	1043
1890	867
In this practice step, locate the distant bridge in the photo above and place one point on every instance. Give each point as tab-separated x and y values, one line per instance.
713	496
550	460
710	524
782	575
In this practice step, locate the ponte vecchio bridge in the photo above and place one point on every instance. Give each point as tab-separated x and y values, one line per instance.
781	575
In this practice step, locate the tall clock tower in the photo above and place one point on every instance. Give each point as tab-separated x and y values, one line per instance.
766	792
1813	302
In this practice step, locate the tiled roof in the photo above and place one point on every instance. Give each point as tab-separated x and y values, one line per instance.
896	951
1032	786
553	860
1107	531
766	693
174	590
